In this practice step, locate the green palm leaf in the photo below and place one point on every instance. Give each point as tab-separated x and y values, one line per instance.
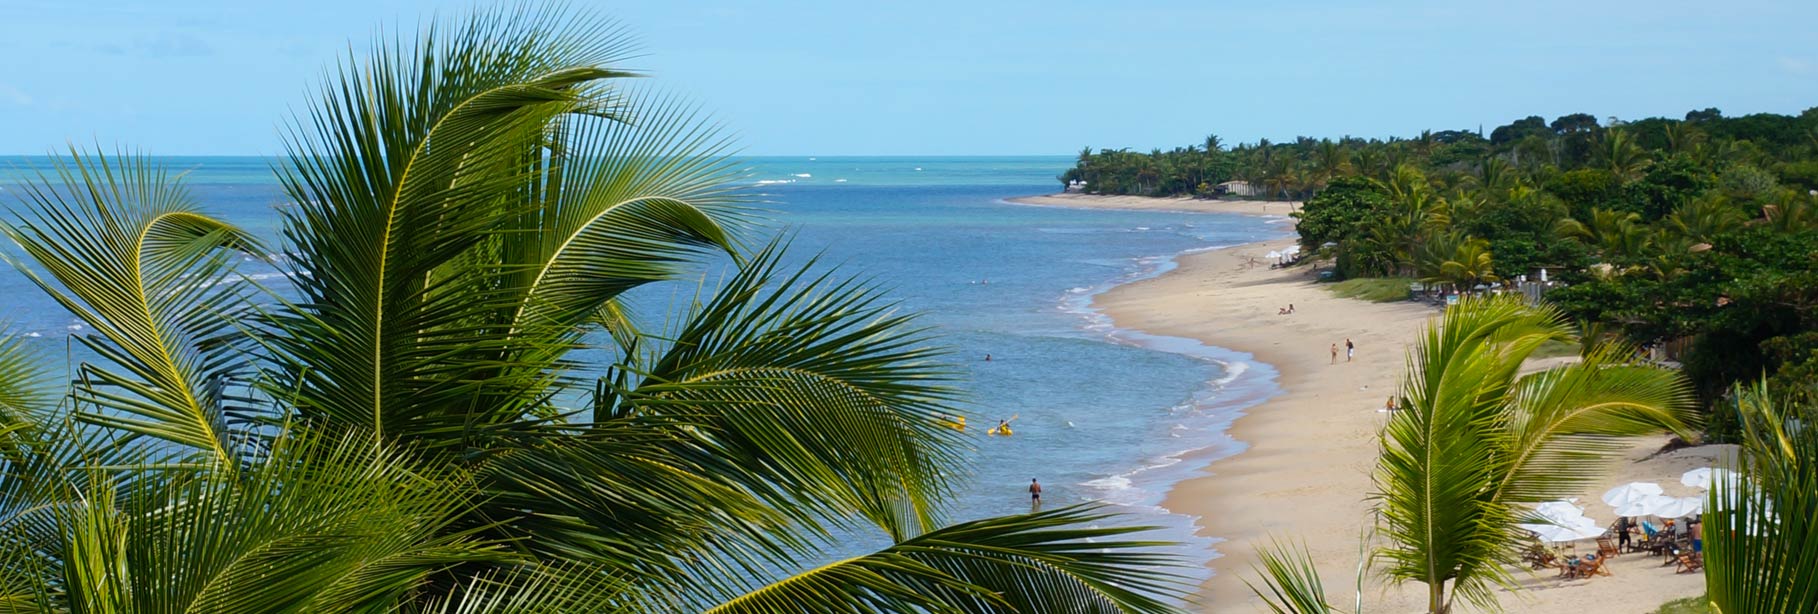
1291	580
134	260
828	399
398	431
1475	440
1760	542
26	392
1028	563
626	201
410	163
315	526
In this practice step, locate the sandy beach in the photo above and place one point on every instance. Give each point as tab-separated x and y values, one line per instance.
1305	472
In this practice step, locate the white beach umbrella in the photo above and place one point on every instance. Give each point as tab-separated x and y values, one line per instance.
1293	249
1726	501
1273	255
1559	512
1680	507
1645	506
1703	477
1630	493
1577	529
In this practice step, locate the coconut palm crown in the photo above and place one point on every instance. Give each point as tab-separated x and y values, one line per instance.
406	421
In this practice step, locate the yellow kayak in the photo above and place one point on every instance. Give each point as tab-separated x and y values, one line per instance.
1003	428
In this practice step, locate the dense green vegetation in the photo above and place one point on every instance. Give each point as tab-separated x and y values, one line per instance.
1698	233
409	423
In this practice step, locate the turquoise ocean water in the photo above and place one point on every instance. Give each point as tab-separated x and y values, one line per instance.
1104	414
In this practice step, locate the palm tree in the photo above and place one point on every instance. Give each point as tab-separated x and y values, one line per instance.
1331	160
1704	218
1620	155
1496	175
1477	442
1470	264
470	208
1620	236
1682	137
1371	163
1792	212
1278	176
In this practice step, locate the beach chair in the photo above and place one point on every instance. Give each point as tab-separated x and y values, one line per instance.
1592	567
1568	567
1689	562
1539	557
1606	547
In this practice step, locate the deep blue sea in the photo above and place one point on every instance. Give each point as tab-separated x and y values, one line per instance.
1103	414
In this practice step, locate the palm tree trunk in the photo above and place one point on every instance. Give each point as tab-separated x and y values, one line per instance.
1436	597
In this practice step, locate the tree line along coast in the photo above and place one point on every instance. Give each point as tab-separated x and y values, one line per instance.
1695	238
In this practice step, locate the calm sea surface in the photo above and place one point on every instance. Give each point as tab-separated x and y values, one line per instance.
1103	414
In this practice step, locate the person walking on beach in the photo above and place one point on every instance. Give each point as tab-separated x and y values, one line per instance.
1035	491
1349	350
1334	353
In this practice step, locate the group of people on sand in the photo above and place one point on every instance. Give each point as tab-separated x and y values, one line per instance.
1350	351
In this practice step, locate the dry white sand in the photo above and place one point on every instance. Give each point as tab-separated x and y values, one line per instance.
1305	474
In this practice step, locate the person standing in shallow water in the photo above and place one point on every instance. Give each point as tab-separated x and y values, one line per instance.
1035	491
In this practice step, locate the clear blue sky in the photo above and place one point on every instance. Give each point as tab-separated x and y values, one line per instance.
940	77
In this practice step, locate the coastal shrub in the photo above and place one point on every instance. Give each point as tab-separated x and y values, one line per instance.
1339	211
1374	289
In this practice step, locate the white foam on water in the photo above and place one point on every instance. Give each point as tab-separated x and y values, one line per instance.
1233	370
1199	424
802	175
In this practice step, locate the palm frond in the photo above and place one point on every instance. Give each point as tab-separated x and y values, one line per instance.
1475	440
1570	418
541	589
135	260
626	200
632	495
827	399
1291	579
1437	451
402	175
26	390
318	525
1041	562
1761	531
